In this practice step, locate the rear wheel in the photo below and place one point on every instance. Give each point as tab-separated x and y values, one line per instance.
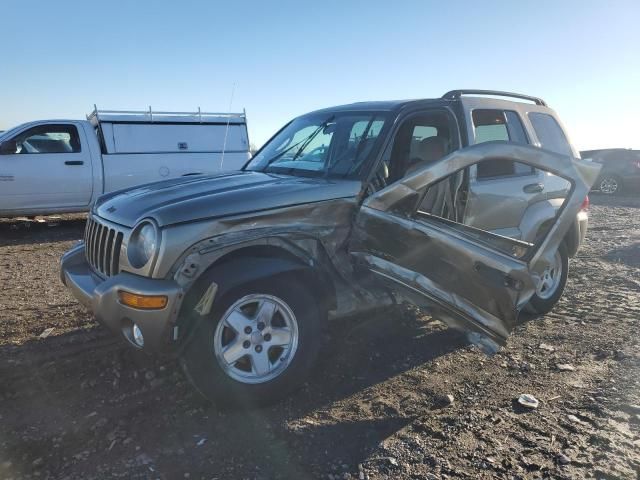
552	283
257	345
610	184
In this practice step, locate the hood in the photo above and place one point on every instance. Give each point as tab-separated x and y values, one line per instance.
199	197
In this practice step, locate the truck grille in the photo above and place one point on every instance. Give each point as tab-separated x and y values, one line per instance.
102	247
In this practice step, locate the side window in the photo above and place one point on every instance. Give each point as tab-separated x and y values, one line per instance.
448	201
421	139
549	133
420	133
503	125
48	139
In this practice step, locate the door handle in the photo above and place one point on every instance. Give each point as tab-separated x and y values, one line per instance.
74	162
533	188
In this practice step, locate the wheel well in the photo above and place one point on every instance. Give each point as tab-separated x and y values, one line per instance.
256	263
570	238
310	273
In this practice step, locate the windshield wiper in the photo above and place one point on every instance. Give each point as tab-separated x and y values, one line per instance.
305	141
310	138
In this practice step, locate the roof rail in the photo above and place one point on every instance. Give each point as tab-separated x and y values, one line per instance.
456	94
163	117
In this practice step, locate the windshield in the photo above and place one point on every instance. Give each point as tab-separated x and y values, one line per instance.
329	144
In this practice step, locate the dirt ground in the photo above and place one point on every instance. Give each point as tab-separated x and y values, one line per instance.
78	404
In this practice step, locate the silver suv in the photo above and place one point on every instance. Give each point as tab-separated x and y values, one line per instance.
467	206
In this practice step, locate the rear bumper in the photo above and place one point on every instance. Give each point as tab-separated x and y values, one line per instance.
101	297
577	233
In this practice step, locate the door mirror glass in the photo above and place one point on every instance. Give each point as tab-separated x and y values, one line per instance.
513	213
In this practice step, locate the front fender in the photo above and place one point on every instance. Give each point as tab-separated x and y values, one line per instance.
228	274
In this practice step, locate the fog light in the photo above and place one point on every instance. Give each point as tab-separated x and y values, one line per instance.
142	302
137	335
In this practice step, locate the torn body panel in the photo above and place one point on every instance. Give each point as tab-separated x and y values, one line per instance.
315	235
460	268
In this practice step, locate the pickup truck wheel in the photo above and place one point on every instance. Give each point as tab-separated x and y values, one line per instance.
552	283
258	344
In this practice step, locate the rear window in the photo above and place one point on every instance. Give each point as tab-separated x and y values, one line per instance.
504	125
549	133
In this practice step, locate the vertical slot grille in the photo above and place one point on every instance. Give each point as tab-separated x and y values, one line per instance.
102	247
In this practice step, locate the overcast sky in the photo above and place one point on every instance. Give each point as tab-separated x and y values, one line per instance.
287	58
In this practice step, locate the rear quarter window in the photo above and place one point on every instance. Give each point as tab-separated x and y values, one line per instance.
549	133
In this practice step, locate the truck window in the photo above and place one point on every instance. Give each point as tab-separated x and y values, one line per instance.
48	139
503	125
549	133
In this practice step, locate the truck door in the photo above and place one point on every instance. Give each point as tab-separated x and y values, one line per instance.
411	237
44	167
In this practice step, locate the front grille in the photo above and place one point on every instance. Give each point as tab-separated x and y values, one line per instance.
102	247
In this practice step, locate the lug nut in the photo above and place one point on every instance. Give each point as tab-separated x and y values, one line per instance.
267	337
258	348
246	344
247	330
261	326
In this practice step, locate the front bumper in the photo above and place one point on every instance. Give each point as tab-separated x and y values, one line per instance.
101	297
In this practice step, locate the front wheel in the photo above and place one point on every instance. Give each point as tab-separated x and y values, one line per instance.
552	283
258	344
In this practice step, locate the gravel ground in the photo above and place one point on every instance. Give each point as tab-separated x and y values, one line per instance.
395	396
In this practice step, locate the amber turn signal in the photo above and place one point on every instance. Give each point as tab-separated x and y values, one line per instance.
142	302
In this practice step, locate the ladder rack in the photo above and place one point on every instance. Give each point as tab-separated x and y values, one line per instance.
151	116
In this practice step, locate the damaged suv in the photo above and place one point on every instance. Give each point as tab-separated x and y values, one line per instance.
467	205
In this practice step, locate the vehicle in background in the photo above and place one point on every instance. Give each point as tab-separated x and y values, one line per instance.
620	169
467	206
56	166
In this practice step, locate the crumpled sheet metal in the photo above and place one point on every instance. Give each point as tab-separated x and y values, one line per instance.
316	233
580	173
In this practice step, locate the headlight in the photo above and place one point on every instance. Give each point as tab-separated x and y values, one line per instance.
143	244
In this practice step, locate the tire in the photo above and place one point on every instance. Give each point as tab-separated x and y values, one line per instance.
545	299
263	373
610	184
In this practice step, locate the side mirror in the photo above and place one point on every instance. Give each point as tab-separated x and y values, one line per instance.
385	170
8	147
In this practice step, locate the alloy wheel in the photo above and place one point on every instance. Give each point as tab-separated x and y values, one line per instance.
550	278
609	185
256	338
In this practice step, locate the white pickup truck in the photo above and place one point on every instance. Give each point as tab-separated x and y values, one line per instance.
55	166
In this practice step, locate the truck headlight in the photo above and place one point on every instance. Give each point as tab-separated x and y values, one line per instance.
143	244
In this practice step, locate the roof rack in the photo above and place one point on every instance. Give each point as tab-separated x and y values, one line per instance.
456	94
151	116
